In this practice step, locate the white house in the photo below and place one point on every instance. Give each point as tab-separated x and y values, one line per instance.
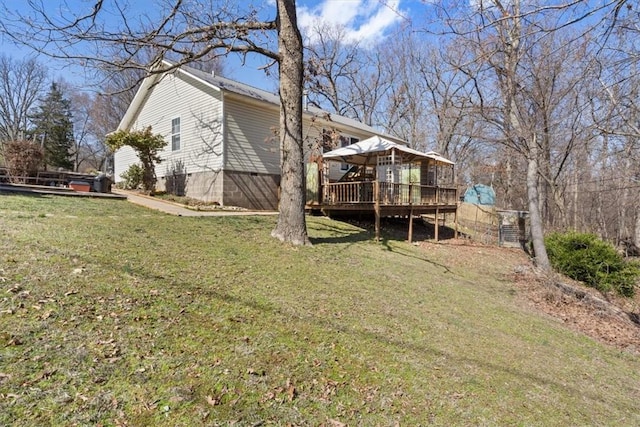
222	137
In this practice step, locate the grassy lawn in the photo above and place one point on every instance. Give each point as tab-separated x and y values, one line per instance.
111	314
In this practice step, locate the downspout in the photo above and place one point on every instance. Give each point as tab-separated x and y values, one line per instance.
223	146
223	165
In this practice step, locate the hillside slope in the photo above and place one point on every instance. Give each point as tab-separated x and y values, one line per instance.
112	314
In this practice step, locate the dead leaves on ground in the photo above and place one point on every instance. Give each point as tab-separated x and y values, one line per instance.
281	394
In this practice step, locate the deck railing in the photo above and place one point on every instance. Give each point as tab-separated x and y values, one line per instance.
341	193
46	178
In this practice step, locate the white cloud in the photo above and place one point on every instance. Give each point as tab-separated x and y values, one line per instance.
364	21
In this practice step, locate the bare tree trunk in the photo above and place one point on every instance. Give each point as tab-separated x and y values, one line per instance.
625	201
636	231
628	199
537	229
600	218
508	187
561	206
578	220
291	226
543	185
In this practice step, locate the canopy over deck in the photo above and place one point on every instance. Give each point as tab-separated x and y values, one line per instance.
366	151
383	182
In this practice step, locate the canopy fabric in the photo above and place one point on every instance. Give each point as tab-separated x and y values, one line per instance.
365	152
438	157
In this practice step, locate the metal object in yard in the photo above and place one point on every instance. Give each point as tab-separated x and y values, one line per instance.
513	228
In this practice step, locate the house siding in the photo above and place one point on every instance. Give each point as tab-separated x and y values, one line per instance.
229	149
123	158
252	145
199	108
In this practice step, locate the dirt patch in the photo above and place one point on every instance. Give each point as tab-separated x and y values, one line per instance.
607	318
615	322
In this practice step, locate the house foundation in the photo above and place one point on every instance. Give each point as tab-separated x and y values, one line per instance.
228	188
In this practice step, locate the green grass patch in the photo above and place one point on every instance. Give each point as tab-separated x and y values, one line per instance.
111	314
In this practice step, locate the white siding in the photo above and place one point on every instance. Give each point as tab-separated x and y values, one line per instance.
123	158
200	110
252	145
245	141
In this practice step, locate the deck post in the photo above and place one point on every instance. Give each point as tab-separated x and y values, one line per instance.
376	207
455	221
410	238
437	223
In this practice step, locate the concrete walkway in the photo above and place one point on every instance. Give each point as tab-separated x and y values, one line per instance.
179	210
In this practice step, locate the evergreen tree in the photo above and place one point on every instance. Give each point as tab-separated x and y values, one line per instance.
53	128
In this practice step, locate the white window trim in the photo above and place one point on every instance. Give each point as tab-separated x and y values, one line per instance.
178	134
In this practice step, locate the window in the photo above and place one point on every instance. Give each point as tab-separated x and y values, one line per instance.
389	169
327	141
175	134
345	141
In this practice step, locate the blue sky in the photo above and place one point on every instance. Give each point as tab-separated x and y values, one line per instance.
365	21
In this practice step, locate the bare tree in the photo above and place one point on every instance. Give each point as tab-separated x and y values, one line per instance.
185	32
21	84
89	153
497	33
616	116
529	92
448	101
80	107
404	112
291	226
330	66
344	77
555	95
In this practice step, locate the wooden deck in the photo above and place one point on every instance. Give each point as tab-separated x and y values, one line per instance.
383	199
364	196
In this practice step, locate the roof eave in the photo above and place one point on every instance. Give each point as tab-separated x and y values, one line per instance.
143	91
138	101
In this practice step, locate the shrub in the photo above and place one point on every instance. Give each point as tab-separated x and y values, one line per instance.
133	177
23	159
147	147
587	258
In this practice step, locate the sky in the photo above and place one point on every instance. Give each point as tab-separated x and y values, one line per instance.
364	21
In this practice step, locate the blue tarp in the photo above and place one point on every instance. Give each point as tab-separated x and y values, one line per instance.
480	194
